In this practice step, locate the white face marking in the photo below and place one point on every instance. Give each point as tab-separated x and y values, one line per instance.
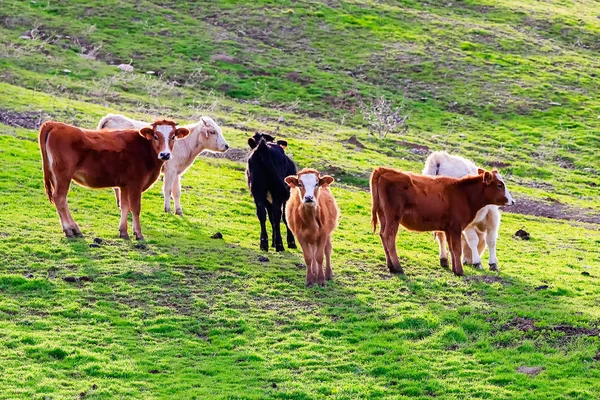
506	193
311	183
165	130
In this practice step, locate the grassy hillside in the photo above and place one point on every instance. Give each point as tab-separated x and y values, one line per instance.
507	83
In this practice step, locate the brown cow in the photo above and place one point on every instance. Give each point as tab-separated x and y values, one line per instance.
129	159
312	216
426	203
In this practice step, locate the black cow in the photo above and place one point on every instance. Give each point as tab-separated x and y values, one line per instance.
268	166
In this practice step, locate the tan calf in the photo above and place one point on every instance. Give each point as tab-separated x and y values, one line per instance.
312	216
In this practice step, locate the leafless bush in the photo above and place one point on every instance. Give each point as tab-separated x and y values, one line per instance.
382	118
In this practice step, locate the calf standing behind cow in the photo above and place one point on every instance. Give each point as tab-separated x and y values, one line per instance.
426	203
268	165
128	159
483	229
204	135
312	216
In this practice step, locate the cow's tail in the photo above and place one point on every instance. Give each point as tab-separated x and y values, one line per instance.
375	197
48	176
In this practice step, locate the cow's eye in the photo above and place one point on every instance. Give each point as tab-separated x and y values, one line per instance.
155	137
500	186
213	132
172	137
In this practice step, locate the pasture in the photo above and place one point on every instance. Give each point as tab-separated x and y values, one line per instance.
183	316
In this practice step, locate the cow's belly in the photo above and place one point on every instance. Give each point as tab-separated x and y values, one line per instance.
422	221
94	180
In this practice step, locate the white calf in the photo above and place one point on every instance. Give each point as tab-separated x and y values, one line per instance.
204	135
483	229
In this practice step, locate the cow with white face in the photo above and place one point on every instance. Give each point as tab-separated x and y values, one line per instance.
484	228
205	135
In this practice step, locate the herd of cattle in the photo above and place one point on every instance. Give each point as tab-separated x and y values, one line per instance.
453	198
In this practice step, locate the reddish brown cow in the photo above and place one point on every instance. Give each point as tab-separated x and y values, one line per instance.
313	215
129	159
430	203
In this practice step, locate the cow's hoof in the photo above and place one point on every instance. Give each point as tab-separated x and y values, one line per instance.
395	269
279	247
138	236
123	235
461	273
168	210
264	245
292	245
478	266
309	283
494	267
69	233
179	211
329	276
444	263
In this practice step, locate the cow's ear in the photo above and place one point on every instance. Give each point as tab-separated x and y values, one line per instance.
487	177
147	133
251	142
180	133
282	143
292	181
480	171
205	128
268	138
325	181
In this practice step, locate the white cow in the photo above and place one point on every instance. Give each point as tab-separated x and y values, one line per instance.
204	135
483	229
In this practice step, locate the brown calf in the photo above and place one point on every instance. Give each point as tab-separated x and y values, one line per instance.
129	159
312	216
426	203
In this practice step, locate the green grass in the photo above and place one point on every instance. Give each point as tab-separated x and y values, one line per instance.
188	317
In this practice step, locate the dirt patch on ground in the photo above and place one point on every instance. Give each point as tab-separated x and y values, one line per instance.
555	210
353	141
415	148
297	77
23	119
238	155
522	324
497	164
528	324
531	371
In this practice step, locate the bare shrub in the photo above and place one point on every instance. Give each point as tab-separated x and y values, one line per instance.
382	118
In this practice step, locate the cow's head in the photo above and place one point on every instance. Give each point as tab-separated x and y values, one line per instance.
162	135
211	136
495	191
255	140
308	182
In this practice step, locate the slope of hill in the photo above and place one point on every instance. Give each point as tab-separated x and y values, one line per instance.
507	83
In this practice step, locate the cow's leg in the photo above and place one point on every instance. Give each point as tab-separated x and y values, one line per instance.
472	238
467	256
308	251
177	195
276	223
455	252
319	257
135	204
69	226
290	236
261	213
490	238
441	239
123	234
328	249
169	180
389	238
117	196
269	208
